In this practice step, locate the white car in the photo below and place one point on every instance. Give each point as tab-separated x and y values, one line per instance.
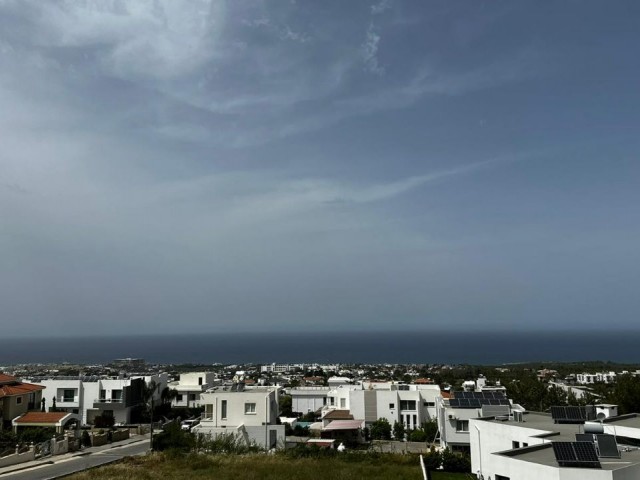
189	424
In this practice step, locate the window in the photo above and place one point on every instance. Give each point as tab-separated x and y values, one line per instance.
525	444
68	395
199	380
179	398
223	409
392	406
208	410
103	394
192	397
415	421
343	403
249	408
515	444
462	425
429	404
501	477
19	400
116	395
407	404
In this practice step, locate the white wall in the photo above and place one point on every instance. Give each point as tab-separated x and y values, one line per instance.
266	408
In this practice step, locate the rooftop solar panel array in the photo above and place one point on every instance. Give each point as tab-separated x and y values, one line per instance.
576	454
476	402
572	414
478	399
479	395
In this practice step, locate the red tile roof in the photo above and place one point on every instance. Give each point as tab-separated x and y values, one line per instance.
11	386
445	394
42	417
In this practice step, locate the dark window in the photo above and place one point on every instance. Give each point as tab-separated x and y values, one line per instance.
68	395
392	406
199	380
515	444
407	404
462	425
223	409
192	396
18	400
179	397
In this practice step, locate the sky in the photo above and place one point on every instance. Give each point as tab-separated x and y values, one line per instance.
191	166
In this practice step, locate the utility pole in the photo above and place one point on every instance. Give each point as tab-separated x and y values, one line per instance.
151	426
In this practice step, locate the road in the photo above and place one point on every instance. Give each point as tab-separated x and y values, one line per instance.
79	463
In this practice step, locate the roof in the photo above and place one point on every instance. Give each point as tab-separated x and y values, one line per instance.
338	415
543	455
40	418
344	425
11	386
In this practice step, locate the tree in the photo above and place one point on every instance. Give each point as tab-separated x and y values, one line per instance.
285	404
398	430
381	429
431	430
627	394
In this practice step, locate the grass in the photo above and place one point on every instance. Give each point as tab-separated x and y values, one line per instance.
263	467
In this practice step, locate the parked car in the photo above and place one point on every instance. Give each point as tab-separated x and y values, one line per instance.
189	424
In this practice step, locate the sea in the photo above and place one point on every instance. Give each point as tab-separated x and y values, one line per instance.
478	348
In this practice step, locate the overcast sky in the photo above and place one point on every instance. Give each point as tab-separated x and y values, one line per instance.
195	166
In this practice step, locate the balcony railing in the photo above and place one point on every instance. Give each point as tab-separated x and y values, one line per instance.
67	400
109	400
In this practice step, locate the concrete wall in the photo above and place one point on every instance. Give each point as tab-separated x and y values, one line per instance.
18	458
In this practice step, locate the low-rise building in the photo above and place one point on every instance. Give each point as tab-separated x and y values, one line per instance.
308	399
408	404
93	396
189	387
250	414
17	398
522	447
456	409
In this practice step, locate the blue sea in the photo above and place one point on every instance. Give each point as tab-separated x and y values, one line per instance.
347	347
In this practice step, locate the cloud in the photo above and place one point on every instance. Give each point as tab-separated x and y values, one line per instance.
370	51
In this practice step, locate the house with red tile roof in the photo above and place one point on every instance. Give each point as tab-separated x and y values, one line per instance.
17	398
57	420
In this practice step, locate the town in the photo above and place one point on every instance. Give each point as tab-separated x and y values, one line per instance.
502	422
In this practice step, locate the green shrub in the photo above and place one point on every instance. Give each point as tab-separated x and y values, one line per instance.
432	460
418	435
455	462
174	438
381	429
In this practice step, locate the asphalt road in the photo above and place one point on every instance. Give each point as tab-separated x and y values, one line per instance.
79	463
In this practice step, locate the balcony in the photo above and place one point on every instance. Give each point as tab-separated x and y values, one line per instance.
109	400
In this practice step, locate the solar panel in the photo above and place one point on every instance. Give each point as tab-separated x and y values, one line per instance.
572	414
607	446
576	454
454	402
586	452
584	437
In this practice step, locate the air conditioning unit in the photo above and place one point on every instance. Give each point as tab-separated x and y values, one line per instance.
452	417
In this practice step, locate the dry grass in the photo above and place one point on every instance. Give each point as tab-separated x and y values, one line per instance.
263	467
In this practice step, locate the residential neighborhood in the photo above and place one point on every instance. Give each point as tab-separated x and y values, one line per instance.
424	408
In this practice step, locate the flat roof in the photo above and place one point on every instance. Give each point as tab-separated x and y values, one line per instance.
558	432
543	455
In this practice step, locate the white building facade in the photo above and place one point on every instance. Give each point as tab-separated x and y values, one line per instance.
251	414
